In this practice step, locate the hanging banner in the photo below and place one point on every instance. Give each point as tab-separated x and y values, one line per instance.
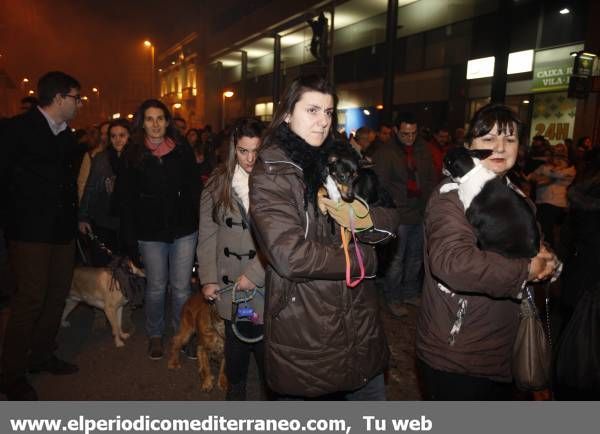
552	68
553	117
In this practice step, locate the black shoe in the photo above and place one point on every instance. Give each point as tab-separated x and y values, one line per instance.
236	392
54	366
19	390
155	348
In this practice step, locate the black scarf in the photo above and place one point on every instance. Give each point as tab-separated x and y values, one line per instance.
312	160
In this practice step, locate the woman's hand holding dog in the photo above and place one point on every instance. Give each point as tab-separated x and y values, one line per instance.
543	265
209	291
340	212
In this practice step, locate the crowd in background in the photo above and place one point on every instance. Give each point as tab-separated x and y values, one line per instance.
139	186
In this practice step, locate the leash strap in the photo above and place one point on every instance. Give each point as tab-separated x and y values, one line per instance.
345	243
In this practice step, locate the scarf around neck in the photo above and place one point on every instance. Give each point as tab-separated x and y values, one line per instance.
240	185
312	160
162	149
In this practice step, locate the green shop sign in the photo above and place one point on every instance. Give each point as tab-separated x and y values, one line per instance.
552	69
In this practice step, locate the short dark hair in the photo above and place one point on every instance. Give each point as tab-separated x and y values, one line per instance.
440	128
488	116
385	125
406	118
363	131
53	83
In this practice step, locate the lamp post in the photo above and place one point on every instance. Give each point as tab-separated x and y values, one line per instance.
97	92
149	44
226	94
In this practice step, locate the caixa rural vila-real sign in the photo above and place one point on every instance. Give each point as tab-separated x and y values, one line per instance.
552	69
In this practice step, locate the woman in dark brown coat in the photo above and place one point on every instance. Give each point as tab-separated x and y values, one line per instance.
470	311
322	337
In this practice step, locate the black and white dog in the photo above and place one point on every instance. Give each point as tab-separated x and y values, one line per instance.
503	220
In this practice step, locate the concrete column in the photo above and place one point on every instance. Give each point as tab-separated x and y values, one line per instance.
276	69
389	71
243	84
501	48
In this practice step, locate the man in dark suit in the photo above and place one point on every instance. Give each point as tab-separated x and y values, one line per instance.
39	162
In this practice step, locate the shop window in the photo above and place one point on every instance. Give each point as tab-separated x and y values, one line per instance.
435	48
414	53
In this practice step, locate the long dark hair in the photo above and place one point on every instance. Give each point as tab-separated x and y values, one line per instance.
243	127
292	95
137	147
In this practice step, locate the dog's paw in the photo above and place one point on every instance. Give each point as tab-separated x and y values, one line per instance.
207	385
223	383
124	335
119	343
65	324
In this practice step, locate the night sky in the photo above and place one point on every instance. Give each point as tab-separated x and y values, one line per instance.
100	42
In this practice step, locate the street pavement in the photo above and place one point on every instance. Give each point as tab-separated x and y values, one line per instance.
110	373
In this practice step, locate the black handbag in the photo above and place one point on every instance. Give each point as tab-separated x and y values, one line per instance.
531	358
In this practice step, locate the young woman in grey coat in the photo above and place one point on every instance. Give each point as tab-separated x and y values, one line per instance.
227	253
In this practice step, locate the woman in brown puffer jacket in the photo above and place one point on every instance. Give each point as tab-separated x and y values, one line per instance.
322	337
470	312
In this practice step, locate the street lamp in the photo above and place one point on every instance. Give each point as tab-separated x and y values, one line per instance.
97	92
148	44
226	94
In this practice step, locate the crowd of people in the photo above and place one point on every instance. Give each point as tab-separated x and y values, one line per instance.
245	205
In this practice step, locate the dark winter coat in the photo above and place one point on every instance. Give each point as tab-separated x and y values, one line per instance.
159	197
97	204
391	168
321	336
457	271
40	171
582	267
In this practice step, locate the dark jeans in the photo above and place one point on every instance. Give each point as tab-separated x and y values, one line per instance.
448	386
237	357
43	273
374	390
404	276
7	284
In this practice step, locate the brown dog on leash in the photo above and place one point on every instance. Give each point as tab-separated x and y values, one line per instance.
201	317
99	287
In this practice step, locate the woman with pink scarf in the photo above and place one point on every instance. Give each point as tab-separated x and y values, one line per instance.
159	214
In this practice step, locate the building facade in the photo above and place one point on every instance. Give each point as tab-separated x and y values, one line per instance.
441	60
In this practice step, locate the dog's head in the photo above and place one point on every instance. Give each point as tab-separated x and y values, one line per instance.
343	166
460	161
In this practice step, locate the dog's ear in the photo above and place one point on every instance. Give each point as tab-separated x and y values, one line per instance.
332	158
480	154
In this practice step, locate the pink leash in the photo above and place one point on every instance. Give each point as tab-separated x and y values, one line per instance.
352	283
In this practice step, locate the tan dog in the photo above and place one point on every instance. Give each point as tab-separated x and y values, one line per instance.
98	287
201	317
